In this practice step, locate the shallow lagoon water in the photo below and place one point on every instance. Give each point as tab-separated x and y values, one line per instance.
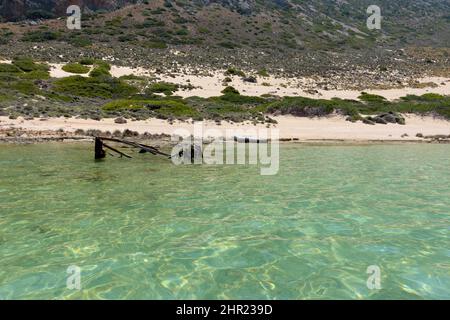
143	228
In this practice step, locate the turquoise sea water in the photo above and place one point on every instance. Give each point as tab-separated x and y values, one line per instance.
143	228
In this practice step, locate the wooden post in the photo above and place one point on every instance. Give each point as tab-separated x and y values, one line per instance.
99	152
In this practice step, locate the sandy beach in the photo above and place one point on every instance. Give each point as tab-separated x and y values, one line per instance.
210	83
327	128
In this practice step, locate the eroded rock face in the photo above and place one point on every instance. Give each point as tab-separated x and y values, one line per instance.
12	10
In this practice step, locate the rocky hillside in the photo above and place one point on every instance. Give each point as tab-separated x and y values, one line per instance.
299	36
297	23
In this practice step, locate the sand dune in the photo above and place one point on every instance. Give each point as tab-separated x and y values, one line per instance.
210	84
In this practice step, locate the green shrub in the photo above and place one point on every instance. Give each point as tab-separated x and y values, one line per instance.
100	87
182	32
5	36
41	36
149	23
228	45
57	97
155	45
28	65
263	73
79	41
9	68
103	64
162	87
100	71
230	90
25	86
158	11
132	77
431	97
161	108
367	97
87	61
240	99
119	105
35	75
410	97
203	30
76	68
4	98
303	107
231	71
126	38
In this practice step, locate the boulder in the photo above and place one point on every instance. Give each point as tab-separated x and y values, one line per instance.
389	118
368	121
250	79
392	117
400	119
378	119
120	120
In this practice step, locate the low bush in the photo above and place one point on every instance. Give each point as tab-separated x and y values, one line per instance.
87	61
96	87
28	65
5	36
263	73
76	68
41	36
162	87
230	90
9	68
79	41
35	75
424	97
159	108
26	87
302	107
231	71
101	69
367	97
155	45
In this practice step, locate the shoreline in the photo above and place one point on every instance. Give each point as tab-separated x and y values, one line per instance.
166	142
332	129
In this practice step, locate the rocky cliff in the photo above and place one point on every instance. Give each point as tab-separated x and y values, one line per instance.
13	10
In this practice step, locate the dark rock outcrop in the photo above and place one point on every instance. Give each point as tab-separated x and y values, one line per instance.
14	10
385	118
120	120
250	79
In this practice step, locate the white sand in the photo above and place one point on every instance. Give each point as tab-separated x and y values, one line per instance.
56	71
209	86
329	128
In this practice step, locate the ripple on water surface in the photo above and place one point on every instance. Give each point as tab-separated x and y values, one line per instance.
143	228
